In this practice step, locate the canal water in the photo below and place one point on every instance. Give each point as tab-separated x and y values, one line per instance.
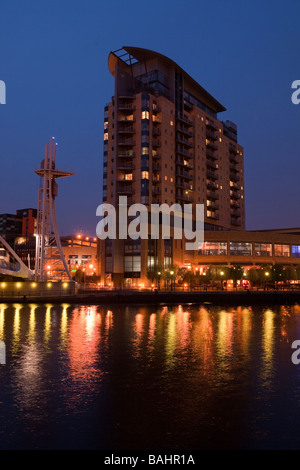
151	378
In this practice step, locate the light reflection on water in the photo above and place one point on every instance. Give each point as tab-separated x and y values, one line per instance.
144	377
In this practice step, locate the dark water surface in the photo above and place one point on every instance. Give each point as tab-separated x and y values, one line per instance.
142	377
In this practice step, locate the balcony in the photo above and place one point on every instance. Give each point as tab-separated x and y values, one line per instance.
156	131
184	197
184	152
212	185
156	167
156	156
184	164
234	204
184	131
127	142
126	155
212	206
211	125
126	97
234	187
211	195
126	119
125	166
235	222
232	149
211	155
211	165
234	177
211	135
125	190
212	145
181	185
155	143
233	159
188	105
122	179
156	191
211	175
233	168
156	109
184	175
234	195
126	107
235	214
185	142
213	215
183	118
126	130
156	120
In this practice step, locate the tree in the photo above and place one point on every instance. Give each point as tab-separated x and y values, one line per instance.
253	276
236	273
155	274
170	274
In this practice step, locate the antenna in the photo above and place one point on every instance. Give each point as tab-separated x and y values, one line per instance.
47	236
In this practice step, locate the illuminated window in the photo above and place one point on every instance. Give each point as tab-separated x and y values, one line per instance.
128	176
145	150
105	135
145	175
240	249
263	249
166	178
296	251
213	249
171	123
171	179
132	263
282	250
145	115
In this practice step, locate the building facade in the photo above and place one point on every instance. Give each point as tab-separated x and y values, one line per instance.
164	143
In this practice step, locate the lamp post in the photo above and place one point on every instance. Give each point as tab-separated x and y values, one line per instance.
222	277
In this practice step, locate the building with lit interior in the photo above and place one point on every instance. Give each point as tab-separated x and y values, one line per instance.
164	142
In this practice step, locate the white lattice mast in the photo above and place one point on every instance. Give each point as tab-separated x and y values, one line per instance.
47	236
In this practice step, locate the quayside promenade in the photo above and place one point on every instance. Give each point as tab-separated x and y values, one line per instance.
128	297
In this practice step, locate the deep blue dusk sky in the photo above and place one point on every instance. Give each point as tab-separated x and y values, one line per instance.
53	59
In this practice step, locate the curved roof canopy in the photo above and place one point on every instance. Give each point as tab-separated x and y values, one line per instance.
131	55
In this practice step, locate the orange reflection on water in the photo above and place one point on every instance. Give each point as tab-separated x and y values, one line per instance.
3	307
268	344
47	327
64	325
171	339
183	327
152	327
32	323
16	328
224	334
285	314
84	339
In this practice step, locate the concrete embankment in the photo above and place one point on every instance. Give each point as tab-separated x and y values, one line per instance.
163	297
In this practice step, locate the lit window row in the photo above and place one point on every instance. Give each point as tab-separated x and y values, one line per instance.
246	249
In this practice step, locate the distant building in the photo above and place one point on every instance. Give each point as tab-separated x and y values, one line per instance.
10	227
21	224
29	221
81	254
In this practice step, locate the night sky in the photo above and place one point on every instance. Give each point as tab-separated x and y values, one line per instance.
53	59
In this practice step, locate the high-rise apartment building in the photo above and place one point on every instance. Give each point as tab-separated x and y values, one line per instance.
164	143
